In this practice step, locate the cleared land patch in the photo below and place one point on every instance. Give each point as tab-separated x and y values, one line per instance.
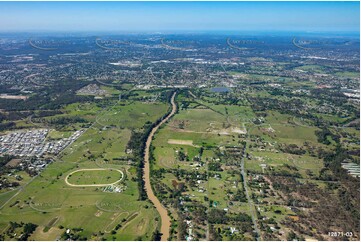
180	142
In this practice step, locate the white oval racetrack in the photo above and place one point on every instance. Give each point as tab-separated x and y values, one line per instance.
93	185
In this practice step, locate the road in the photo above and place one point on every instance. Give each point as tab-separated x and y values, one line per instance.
165	224
250	203
19	190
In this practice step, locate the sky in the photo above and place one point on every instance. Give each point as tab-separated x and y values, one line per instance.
179	16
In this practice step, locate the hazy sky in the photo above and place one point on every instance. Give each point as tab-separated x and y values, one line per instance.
179	16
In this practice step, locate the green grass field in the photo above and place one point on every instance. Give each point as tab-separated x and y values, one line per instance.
132	115
348	74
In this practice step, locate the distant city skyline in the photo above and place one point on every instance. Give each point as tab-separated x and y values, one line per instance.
179	16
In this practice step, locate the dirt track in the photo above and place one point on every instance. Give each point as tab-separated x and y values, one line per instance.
165	226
